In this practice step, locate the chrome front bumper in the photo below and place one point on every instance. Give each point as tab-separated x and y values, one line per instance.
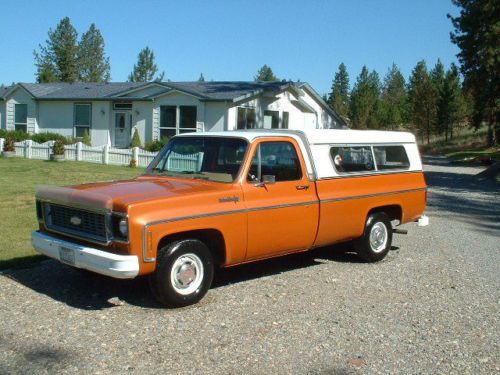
103	262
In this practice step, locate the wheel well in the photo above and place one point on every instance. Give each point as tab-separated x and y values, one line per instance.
393	211
210	237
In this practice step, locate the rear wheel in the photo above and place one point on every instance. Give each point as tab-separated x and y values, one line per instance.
377	238
183	274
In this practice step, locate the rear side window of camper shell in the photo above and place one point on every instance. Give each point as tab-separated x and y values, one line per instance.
359	159
391	157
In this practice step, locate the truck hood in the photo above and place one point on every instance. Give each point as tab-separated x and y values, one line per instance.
116	195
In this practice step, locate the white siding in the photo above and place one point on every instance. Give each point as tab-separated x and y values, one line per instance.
58	117
2	114
21	96
216	114
142	120
101	123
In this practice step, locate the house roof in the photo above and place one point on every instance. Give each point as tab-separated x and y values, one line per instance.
232	91
217	91
4	90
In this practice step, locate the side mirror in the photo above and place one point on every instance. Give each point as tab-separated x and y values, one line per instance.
267	179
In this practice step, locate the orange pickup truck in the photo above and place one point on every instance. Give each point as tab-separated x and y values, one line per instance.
221	199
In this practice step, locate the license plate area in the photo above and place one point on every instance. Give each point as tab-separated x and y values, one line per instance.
67	255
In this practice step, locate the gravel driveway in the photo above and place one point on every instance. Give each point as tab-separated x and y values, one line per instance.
432	306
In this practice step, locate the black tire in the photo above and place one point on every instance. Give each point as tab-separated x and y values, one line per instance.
367	249
165	283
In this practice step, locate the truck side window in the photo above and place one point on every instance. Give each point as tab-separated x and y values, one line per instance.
352	159
391	157
278	159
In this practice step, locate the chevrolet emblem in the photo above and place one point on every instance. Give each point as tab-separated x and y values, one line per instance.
75	220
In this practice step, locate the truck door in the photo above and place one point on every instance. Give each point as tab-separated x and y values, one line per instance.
281	201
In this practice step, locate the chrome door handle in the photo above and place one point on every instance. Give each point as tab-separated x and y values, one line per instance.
302	187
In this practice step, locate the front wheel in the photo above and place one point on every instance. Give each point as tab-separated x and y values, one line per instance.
183	274
377	238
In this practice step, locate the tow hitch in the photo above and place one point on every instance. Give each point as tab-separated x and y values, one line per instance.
400	231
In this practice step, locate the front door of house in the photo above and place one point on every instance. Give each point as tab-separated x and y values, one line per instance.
122	129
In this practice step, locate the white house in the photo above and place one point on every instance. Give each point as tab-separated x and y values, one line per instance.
111	111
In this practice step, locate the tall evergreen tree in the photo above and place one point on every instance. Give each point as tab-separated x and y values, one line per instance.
437	75
423	100
393	106
146	68
452	103
364	103
57	59
339	96
94	65
477	34
265	74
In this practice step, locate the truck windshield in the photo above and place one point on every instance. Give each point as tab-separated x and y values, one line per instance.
207	158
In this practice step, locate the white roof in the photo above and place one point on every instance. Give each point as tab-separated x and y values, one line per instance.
320	136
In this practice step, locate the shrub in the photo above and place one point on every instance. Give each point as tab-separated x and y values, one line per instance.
10	144
136	139
45	137
58	148
86	138
156	145
17	135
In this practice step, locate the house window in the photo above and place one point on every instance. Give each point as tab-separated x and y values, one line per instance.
21	117
284	122
177	120
187	120
122	106
246	118
271	119
83	119
168	121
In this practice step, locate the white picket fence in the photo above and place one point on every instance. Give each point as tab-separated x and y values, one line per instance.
80	152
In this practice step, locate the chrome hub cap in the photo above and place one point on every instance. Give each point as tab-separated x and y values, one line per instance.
378	237
187	274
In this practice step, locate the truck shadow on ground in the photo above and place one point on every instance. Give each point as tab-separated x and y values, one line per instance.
88	291
466	198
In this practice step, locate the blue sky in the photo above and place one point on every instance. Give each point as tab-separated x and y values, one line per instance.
231	40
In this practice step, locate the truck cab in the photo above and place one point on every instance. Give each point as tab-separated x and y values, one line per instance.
221	199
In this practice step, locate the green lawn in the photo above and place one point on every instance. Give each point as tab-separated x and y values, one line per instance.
474	155
18	180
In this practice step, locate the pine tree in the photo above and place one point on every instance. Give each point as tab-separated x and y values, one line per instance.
136	139
423	100
476	33
453	105
437	75
364	103
202	78
339	96
57	60
393	111
265	74
146	68
93	64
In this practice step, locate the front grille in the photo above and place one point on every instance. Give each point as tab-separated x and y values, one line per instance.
76	222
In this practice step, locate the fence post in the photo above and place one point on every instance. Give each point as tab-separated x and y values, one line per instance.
2	141
50	144
105	154
135	155
78	151
28	144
